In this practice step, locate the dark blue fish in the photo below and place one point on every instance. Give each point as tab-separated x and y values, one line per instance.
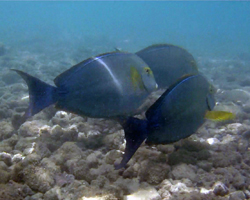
177	114
168	62
105	86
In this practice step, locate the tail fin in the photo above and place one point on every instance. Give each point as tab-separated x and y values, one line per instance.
41	94
136	131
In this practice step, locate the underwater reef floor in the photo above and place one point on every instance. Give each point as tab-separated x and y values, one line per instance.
58	155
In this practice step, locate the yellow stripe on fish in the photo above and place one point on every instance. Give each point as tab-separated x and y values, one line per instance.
219	115
136	79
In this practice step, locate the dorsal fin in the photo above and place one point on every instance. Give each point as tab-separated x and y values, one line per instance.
63	77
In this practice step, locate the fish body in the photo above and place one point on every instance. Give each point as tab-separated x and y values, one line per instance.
177	114
105	86
168	62
180	111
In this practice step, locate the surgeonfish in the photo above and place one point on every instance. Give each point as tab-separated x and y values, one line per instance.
108	85
177	114
168	62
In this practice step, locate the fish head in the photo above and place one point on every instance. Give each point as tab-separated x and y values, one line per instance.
210	97
148	79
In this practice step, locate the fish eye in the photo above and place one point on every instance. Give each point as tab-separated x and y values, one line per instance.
148	70
211	89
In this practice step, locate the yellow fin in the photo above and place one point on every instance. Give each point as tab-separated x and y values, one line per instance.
136	79
219	115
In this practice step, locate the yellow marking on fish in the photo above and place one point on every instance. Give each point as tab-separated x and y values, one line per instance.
148	71
219	115
136	79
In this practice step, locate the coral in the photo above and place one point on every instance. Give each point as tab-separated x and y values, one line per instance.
8	144
31	128
6	130
38	178
184	171
223	159
14	191
26	143
153	172
68	151
4	176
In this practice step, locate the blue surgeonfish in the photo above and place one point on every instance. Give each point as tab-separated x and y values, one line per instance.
177	114
168	62
108	85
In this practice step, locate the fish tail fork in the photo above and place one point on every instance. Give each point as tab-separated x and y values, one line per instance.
41	94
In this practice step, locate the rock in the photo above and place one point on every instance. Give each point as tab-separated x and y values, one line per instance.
153	172
212	141
184	171
53	194
33	159
56	132
68	151
26	143
4	176
42	149
113	141
64	179
220	189
30	128
246	134
175	188
205	165
182	156
5	147
37	196
144	194
239	180
14	191
247	194
236	95
223	159
39	178
103	197
6	158
61	118
80	170
17	158
112	156
6	130
238	195
179	188
3	166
